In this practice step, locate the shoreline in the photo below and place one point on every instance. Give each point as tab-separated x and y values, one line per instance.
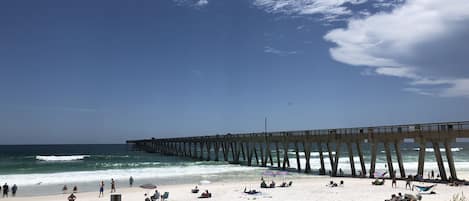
303	188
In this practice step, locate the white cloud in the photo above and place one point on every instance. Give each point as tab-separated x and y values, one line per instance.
330	9
271	50
425	41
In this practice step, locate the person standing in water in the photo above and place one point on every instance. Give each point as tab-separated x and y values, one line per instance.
113	186
101	189
64	189
131	181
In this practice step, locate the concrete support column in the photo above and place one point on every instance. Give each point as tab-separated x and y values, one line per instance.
269	152
337	156
249	152
224	149
449	156
421	157
209	147
254	144
350	156
195	150
278	154
233	151
243	153
397	147
307	150
201	150
184	149
331	157
217	150
190	149
373	158
263	160
297	152
322	171
387	149
285	155
360	155
439	160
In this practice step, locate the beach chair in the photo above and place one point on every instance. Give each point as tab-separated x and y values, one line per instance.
165	196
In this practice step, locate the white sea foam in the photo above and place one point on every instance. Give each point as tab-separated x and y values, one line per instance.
410	167
62	158
119	174
455	149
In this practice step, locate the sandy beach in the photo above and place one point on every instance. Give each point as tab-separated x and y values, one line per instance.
309	188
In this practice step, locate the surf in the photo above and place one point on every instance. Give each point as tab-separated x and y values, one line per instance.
61	158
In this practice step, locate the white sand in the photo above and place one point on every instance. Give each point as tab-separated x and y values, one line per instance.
310	188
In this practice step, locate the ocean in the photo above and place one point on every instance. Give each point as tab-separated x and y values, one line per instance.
44	169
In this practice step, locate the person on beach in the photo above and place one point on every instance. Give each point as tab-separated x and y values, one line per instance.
64	189
433	174
156	196
72	197
407	183
101	189
146	197
113	186
5	190
131	181
14	188
75	189
394	182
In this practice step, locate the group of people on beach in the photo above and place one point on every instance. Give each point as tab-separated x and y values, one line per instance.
73	197
113	186
6	189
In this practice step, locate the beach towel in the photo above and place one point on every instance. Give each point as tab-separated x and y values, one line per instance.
424	188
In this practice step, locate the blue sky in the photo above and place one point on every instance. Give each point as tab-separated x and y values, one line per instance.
107	71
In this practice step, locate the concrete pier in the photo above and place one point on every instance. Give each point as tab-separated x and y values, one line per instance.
244	148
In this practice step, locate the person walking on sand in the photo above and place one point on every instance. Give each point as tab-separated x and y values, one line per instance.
394	182
75	189
113	186
131	181
14	188
407	183
5	190
101	189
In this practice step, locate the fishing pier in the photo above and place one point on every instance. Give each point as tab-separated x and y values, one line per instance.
270	149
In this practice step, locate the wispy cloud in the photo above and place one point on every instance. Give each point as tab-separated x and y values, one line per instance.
330	10
195	3
271	50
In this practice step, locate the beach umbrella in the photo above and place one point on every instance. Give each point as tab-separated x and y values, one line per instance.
148	186
204	182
